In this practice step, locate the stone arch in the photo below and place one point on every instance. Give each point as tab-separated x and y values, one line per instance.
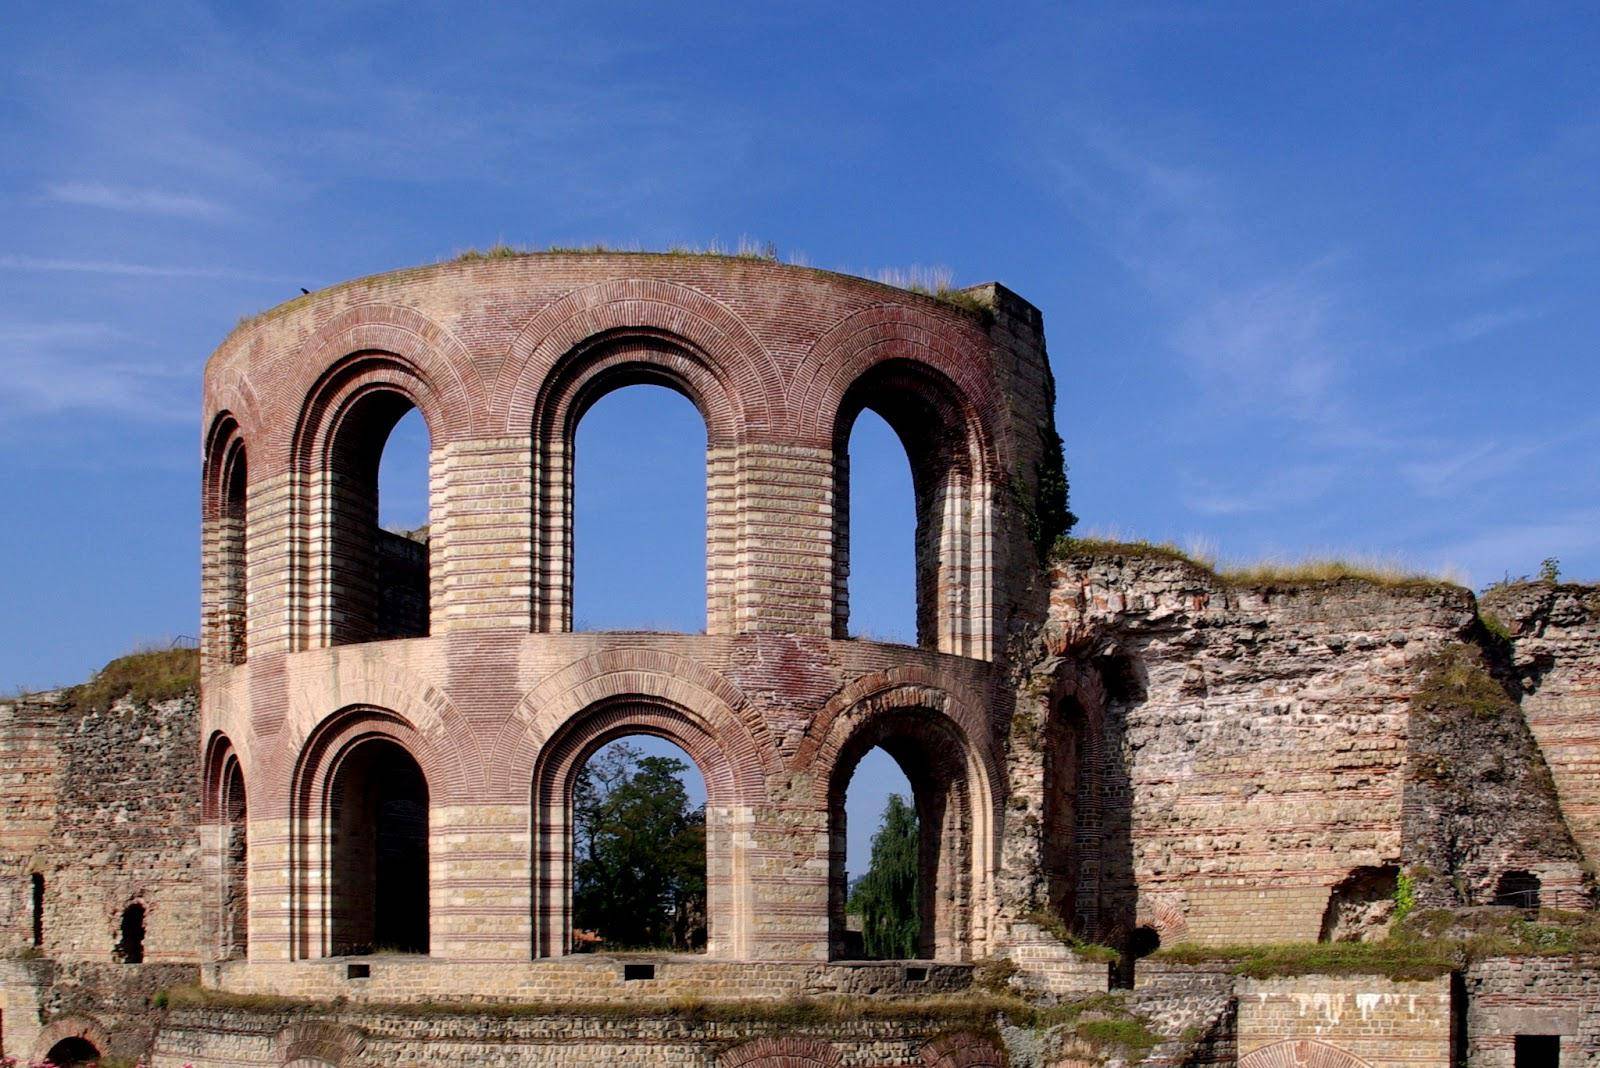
319	1043
962	1049
1301	1053
620	333
224	526
67	1028
730	770
929	390
1072	817
326	752
939	745
781	1052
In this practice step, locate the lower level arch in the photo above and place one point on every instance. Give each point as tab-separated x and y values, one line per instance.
554	778
1301	1053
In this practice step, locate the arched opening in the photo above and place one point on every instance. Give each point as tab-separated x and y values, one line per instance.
931	755
1517	889
1065	756
639	513
878	535
36	888
378	531
883	914
949	544
728	786
73	1053
227	478
130	937
378	892
639	849
235	865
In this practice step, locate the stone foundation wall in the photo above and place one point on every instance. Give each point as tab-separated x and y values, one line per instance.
355	1039
1511	996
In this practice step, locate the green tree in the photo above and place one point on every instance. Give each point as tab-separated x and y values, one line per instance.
639	852
886	897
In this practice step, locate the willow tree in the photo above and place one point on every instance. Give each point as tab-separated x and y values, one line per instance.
886	897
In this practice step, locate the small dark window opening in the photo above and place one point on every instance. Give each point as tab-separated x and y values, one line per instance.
638	971
916	975
358	971
130	947
1124	682
1538	1051
73	1052
1144	942
38	910
1517	889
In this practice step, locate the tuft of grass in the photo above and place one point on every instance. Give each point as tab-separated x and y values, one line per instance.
1057	928
1310	571
1453	680
1399	959
935	282
1494	624
497	251
1127	1034
145	678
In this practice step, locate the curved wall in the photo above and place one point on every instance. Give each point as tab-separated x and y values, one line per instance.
493	698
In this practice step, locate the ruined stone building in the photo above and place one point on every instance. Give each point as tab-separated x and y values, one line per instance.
1111	747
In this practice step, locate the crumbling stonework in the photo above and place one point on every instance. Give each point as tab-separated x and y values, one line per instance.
1555	648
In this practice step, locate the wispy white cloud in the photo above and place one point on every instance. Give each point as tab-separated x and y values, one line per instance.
46	368
125	198
10	262
1284	487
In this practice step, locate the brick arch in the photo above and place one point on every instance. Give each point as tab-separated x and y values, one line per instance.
650	675
781	1052
435	364
890	332
934	393
1301	1053
325	751
67	1027
319	1042
615	334
456	765
963	1049
941	747
730	763
750	384
229	391
1166	915
224	497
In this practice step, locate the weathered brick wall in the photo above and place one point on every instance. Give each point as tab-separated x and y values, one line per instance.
1555	636
1250	748
30	760
1511	996
105	806
1348	1022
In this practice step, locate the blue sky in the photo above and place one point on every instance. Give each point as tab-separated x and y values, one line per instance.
1317	277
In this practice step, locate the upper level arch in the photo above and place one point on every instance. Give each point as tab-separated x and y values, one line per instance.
225	531
894	362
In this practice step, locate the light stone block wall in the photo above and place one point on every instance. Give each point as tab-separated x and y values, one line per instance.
1370	1020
